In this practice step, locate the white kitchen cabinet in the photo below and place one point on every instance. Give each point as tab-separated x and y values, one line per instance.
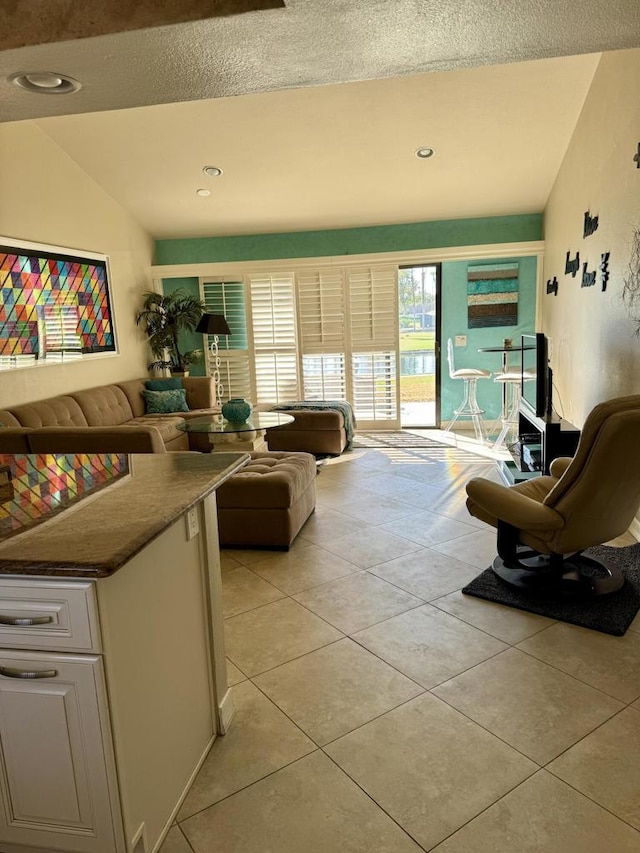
98	757
57	781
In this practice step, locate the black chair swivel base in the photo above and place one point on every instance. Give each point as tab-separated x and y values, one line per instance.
554	575
558	575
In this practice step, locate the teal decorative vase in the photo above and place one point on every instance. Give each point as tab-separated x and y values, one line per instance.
236	410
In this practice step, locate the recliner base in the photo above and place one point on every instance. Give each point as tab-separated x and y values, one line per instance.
556	575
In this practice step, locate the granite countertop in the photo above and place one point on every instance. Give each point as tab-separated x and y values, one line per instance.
86	515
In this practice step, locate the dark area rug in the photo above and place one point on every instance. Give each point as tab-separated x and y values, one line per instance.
395	438
610	614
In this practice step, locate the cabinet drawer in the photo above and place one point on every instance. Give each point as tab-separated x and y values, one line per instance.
48	614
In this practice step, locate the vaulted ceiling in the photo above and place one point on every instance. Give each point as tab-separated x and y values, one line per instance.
336	95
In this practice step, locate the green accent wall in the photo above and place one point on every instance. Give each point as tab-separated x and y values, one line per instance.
352	241
188	340
454	322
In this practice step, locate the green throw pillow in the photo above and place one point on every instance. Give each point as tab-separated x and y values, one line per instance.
165	402
170	384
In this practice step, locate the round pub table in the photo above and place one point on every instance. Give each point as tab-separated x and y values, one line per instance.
505	350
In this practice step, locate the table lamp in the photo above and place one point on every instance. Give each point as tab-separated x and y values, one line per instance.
214	325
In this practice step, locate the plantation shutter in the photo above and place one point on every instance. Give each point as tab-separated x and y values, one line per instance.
273	323
228	298
321	308
373	316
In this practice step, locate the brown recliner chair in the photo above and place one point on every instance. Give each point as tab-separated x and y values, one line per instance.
546	522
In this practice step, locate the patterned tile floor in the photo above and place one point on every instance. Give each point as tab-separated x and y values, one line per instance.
380	711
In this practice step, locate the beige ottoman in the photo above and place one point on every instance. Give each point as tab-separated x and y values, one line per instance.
266	503
323	432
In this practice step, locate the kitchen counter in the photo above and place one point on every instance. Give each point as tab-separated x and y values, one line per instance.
86	515
113	681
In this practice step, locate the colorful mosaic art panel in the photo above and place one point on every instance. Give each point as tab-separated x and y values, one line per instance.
36	286
39	486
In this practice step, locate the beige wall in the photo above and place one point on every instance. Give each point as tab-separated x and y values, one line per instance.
595	354
46	198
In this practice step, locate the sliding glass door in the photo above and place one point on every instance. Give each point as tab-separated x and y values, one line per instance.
419	324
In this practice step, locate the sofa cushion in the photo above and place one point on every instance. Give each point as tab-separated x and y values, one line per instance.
104	406
7	419
270	480
56	411
165	402
327	420
133	392
201	392
15	439
171	383
114	439
166	425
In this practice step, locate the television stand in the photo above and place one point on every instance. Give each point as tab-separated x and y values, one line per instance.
540	441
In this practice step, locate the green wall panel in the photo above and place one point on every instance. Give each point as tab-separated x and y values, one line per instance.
454	322
352	241
188	340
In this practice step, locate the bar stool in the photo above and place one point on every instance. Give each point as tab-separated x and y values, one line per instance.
469	407
511	416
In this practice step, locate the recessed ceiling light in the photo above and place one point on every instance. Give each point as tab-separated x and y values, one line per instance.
212	171
424	153
46	83
203	192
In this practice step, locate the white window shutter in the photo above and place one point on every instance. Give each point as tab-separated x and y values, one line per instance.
373	316
373	307
273	326
324	376
318	334
235	374
321	309
374	386
228	298
321	305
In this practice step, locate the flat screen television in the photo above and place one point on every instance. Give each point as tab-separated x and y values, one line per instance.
536	375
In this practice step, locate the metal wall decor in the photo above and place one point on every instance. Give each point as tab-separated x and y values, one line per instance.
552	286
604	269
588	277
571	267
590	224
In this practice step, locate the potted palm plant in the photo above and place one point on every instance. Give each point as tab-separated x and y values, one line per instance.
162	318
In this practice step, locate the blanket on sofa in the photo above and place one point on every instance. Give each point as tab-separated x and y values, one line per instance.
321	405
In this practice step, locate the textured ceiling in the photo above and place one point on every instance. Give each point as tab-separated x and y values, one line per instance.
339	156
337	94
309	43
25	22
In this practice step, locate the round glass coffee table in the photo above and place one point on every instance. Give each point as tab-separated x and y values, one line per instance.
212	432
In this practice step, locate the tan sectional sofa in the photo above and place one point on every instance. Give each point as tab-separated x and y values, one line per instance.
106	419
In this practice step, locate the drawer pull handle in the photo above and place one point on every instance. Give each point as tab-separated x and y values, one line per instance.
25	621
8	672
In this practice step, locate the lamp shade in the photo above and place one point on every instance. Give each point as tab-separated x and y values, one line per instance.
213	324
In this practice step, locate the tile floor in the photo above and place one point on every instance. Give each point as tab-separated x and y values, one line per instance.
380	710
